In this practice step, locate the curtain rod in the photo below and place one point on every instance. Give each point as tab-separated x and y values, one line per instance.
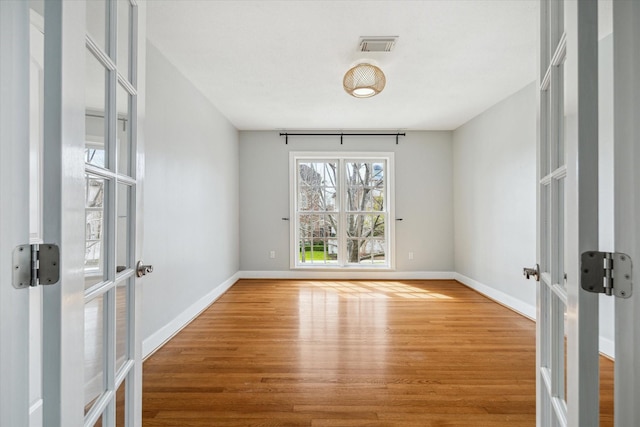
287	135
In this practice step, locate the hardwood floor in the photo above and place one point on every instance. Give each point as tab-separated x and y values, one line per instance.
348	353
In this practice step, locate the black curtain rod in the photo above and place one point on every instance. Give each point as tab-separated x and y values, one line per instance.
287	135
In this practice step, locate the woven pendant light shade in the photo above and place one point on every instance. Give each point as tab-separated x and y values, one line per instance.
364	81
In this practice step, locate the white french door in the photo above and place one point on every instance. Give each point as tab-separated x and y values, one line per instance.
567	327
110	190
89	348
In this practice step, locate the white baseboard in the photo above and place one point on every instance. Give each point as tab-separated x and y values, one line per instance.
608	348
348	275
514	304
164	334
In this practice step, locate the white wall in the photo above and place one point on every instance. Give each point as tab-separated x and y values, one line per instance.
495	199
190	202
423	189
494	157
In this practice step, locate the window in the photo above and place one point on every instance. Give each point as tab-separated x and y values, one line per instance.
341	210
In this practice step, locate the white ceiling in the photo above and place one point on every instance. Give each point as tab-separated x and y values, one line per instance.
279	64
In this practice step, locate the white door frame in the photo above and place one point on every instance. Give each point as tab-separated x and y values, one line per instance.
14	201
626	36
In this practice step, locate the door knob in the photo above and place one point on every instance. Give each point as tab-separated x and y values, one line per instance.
535	272
143	269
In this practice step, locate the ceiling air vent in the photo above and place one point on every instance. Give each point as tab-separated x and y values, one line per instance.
377	44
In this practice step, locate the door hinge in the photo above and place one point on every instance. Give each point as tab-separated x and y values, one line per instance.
608	273
35	265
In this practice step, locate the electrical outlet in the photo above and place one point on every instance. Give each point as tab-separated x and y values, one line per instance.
272	254
410	255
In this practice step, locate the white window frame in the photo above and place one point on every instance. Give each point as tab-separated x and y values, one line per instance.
341	158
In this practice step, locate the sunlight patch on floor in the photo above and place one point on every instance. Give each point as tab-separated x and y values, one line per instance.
370	289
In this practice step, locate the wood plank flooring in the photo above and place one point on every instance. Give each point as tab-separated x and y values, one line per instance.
349	353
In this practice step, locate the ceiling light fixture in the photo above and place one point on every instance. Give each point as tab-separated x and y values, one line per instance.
364	81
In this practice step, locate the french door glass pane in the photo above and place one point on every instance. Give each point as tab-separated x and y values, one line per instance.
124	36
550	130
559	351
545	324
545	112
97	22
545	228
123	130
123	237
122	322
560	235
120	404
546	410
545	55
565	349
94	345
95	267
95	106
559	100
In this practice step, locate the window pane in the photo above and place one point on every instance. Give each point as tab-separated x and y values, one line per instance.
365	186
318	243
353	250
317	186
376	248
377	200
95	129
316	199
356	225
316	226
377	225
377	174
319	251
